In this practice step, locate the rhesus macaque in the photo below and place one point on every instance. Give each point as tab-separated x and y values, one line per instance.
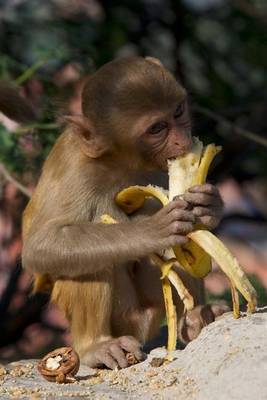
134	117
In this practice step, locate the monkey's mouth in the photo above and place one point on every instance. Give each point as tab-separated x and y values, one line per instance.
167	161
163	164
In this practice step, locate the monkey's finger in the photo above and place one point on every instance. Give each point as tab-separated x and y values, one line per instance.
178	240
182	227
182	215
203	199
206	188
131	345
208	221
107	359
166	211
202	211
208	216
174	204
118	354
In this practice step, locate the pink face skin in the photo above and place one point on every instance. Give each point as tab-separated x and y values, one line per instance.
166	136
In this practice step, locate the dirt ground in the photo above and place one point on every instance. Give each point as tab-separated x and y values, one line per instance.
227	361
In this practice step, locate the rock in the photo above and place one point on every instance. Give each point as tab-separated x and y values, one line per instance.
227	361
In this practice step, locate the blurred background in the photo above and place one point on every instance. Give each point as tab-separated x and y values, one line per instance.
218	48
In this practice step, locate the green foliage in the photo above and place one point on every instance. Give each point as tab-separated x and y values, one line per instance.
218	49
11	153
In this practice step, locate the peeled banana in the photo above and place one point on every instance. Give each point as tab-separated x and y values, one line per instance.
195	256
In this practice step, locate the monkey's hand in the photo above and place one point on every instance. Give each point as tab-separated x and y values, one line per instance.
169	226
193	321
112	353
206	203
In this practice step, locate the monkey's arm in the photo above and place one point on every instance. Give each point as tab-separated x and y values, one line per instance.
61	248
77	249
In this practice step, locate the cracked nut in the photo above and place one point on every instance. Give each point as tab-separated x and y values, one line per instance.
131	359
60	365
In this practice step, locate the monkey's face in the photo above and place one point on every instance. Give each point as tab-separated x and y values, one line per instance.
140	114
165	135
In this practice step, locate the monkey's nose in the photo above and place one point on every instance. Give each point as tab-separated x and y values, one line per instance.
184	142
187	144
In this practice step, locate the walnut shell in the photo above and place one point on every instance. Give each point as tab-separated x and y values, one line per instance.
131	359
157	362
68	365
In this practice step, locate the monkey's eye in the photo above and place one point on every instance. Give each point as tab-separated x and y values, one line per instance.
157	127
179	111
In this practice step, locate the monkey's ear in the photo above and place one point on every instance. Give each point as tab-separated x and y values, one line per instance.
154	60
93	145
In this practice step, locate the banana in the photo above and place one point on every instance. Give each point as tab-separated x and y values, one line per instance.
195	256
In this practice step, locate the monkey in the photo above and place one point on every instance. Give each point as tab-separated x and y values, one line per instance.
135	116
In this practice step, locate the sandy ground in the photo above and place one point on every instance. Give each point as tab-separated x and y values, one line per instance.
227	361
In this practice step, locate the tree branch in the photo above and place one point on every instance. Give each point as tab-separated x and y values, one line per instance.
26	75
8	177
254	137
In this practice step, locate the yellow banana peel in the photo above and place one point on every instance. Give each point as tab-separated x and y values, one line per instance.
195	256
229	264
132	198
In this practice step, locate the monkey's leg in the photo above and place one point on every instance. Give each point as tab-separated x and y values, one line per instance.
88	305
136	309
150	295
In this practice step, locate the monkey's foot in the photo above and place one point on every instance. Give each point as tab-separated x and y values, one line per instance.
193	321
114	353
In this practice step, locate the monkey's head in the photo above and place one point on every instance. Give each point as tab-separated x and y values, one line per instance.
134	109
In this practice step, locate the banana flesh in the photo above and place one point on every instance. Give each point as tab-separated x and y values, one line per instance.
184	172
